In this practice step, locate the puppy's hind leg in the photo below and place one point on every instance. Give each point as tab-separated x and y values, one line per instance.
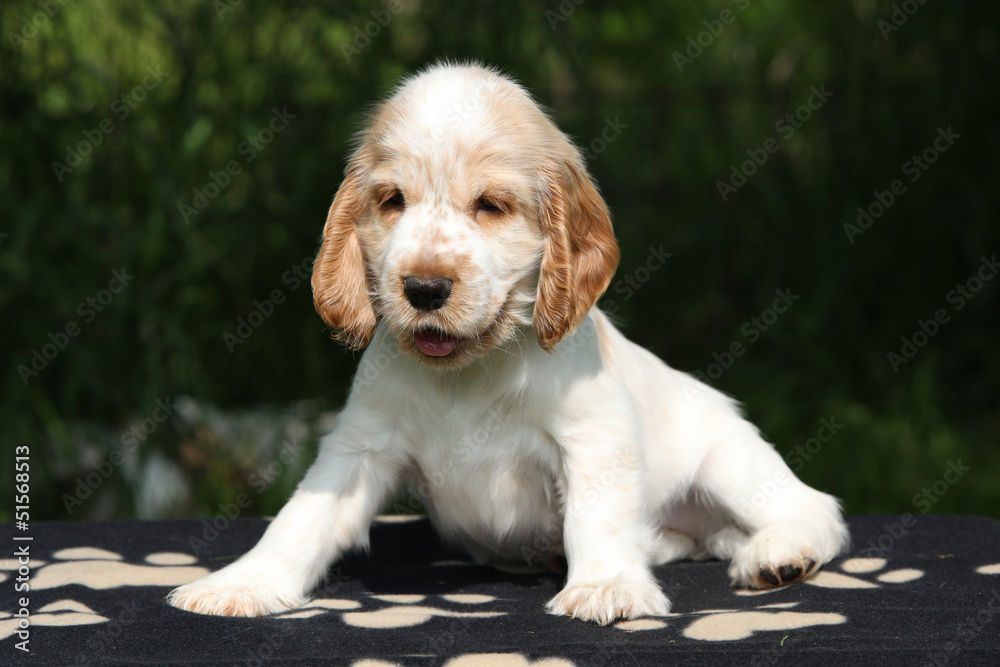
671	546
726	542
793	529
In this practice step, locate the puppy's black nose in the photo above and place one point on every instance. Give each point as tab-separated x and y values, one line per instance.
426	295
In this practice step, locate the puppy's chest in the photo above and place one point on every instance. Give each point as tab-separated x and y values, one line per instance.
477	468
493	441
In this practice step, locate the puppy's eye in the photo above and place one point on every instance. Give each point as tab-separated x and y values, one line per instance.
396	201
489	205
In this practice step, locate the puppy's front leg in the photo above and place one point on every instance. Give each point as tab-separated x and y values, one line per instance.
606	537
329	513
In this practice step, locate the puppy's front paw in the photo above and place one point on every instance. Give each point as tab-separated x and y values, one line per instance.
606	601
220	594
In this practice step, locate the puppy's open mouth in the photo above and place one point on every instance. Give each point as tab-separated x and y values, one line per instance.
435	343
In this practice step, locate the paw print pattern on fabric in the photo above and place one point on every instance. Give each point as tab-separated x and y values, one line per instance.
320	606
734	624
61	612
504	660
481	660
101	570
989	569
829	579
97	569
405	612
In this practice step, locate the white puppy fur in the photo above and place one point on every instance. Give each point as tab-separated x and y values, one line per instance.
466	249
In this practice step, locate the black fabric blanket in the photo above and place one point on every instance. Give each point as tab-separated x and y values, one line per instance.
914	590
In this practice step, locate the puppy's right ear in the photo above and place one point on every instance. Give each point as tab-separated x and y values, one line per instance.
580	253
339	279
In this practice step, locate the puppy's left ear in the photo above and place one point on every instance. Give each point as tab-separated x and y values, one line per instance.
339	279
580	253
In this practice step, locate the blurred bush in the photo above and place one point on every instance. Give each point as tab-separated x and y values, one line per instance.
194	147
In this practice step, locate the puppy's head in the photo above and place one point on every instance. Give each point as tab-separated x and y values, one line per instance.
464	214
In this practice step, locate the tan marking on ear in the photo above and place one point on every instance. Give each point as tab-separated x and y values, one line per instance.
580	254
552	303
339	280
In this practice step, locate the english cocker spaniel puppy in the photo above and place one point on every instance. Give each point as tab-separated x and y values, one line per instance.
465	251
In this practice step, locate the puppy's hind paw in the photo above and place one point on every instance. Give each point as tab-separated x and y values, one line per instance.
786	553
787	573
767	566
606	601
206	597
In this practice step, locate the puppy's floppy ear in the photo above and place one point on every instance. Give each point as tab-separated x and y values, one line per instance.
339	279
580	253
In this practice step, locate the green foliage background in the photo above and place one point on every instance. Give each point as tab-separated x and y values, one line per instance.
229	66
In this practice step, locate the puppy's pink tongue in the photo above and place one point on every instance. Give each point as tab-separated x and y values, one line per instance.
435	343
